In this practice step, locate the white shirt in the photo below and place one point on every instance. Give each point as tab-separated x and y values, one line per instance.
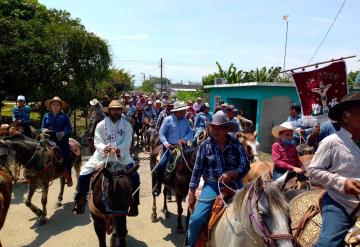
123	136
337	159
197	106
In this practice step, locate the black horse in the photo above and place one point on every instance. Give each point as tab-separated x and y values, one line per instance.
109	199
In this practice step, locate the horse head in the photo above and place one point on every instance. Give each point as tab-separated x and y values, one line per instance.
250	144
119	185
154	138
268	211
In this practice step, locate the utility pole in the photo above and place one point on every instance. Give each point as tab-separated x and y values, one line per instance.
286	18
161	75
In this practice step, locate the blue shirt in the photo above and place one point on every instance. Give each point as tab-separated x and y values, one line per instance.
201	120
131	112
173	130
22	114
150	113
212	162
58	123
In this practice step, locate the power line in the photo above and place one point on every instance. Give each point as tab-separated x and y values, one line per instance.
326	34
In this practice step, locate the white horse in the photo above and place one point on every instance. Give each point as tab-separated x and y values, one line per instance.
258	216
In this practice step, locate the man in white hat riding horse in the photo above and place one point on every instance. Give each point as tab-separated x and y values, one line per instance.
113	137
175	130
336	166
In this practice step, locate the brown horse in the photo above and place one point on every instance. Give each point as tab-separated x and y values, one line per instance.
5	188
114	184
41	166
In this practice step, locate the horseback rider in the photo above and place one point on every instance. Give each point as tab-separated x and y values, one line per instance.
56	123
231	111
222	158
21	115
335	166
202	119
168	105
284	153
113	137
301	129
158	110
175	130
96	115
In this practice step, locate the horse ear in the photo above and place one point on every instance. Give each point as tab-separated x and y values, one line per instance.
132	169
255	134
259	184
281	181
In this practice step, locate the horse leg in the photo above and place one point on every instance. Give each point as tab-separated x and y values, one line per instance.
118	238
186	240
42	219
179	228
99	226
61	193
31	190
165	209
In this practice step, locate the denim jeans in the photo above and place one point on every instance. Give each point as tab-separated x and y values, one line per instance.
202	211
160	169
335	224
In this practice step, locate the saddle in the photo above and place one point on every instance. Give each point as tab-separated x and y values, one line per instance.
305	213
172	163
53	149
217	211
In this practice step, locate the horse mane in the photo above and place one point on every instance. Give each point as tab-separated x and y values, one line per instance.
18	136
274	196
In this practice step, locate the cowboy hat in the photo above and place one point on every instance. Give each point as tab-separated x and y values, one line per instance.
221	119
179	106
347	102
20	98
282	127
63	104
94	102
114	104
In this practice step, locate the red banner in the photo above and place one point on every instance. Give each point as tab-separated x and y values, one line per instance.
321	89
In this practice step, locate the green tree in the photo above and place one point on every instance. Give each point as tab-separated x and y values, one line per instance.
46	52
116	78
351	78
150	84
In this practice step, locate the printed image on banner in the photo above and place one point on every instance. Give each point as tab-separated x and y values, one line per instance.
321	89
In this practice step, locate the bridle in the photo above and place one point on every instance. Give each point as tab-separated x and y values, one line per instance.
257	221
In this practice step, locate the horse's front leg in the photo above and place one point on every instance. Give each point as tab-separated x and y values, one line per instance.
61	193
31	190
45	189
100	230
179	228
153	181
118	238
165	208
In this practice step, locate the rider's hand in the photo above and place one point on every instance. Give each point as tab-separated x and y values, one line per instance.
47	131
191	198
298	170
182	142
116	151
352	187
107	149
168	146
227	177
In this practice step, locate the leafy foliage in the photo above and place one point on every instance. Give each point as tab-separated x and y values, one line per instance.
116	78
351	78
232	75
149	86
45	53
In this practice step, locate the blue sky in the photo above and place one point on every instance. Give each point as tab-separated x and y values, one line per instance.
191	36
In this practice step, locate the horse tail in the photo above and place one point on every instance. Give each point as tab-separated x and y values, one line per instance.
5	197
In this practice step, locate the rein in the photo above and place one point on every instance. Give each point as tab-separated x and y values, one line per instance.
185	161
257	222
33	156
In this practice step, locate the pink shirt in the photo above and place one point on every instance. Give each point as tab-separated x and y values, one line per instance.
285	156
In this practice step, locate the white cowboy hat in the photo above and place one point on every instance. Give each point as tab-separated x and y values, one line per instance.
180	106
221	119
282	127
63	104
94	102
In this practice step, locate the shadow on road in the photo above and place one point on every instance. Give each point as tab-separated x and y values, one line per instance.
176	238
132	242
62	220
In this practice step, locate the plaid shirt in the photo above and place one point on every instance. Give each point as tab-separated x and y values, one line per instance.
150	113
211	162
163	114
22	115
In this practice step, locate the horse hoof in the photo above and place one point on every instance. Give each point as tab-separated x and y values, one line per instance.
154	218
166	213
39	222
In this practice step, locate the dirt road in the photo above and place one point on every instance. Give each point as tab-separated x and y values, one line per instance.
65	229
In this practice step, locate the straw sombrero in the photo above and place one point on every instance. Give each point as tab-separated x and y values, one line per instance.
63	103
282	127
113	104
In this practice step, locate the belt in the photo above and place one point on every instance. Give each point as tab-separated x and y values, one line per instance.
211	180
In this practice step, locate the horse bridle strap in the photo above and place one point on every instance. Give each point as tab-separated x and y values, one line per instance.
259	225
